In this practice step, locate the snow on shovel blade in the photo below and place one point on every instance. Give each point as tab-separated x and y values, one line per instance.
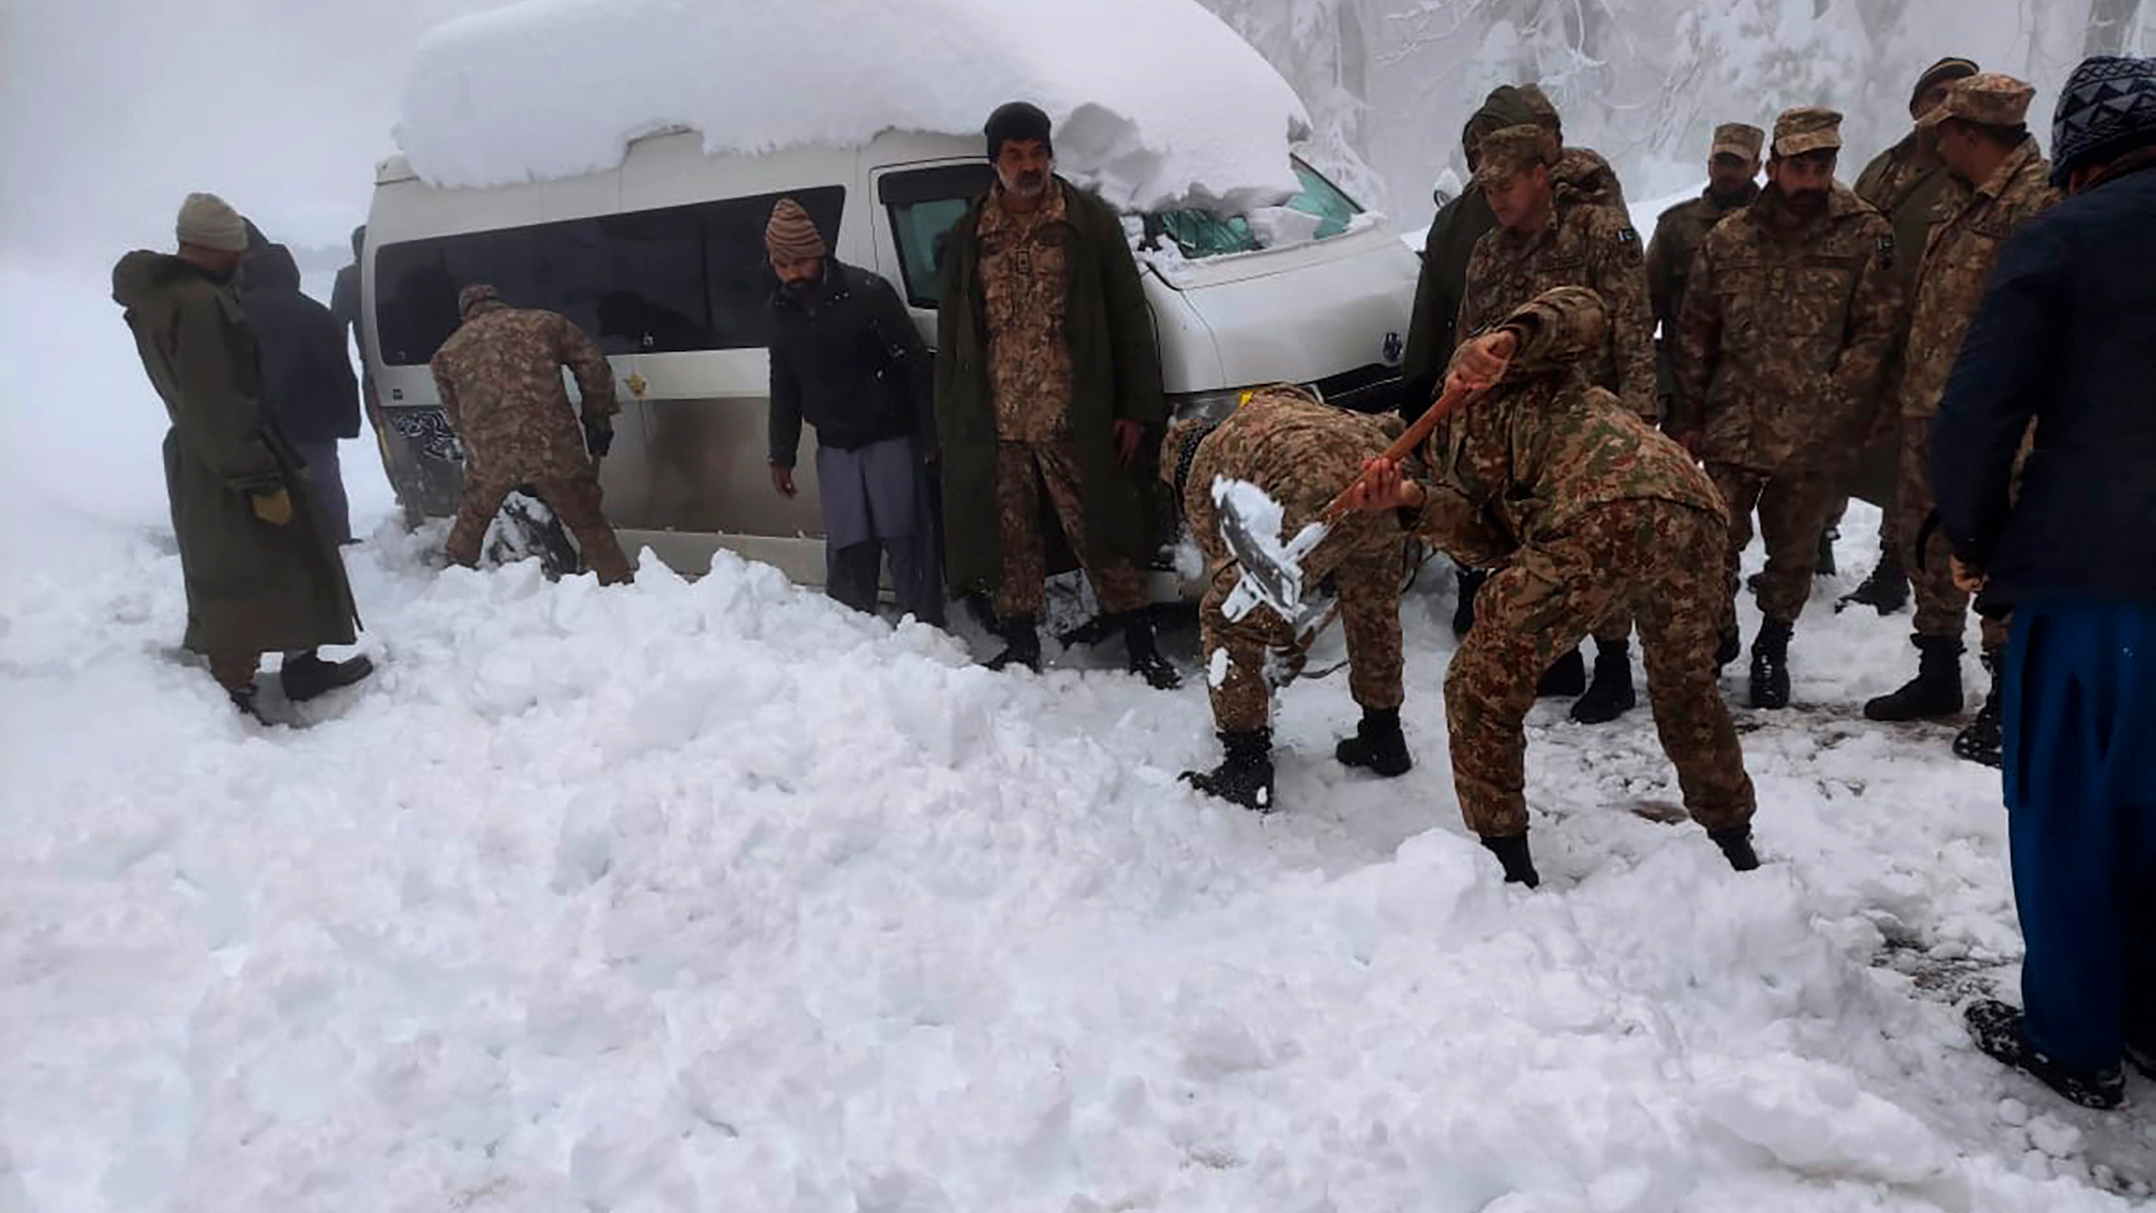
1272	572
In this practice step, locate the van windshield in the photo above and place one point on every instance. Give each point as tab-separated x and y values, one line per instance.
1320	212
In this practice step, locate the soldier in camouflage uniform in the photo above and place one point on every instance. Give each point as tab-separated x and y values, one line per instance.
1732	166
1790	313
1983	138
1585	510
1549	236
1905	182
500	381
1300	452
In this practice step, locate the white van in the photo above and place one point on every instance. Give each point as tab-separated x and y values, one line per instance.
662	261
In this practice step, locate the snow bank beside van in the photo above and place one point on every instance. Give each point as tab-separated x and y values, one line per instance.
1156	102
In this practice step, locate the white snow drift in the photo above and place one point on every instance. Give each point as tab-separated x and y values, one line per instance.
1155	101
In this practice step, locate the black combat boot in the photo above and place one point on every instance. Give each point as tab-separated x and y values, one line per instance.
1021	645
1512	852
1245	774
2002	1031
1984	741
243	701
1463	614
1885	589
1770	665
1731	648
1933	693
1145	659
1736	844
1565	679
306	675
1826	567
1610	695
1378	745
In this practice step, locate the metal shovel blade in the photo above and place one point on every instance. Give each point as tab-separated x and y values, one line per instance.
1272	573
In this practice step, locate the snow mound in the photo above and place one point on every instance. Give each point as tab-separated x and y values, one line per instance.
1155	101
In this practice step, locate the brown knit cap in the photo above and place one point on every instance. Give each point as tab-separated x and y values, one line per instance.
1953	67
1542	108
792	235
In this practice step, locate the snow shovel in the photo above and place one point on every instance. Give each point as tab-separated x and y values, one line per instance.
1250	522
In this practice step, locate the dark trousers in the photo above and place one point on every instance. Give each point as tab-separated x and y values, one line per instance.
853	575
328	477
2080	756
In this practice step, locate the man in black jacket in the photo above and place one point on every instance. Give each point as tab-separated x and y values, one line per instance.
306	377
2062	338
845	358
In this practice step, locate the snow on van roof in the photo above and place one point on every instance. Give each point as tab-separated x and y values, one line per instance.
1156	102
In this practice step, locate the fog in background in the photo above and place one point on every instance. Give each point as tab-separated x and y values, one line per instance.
111	110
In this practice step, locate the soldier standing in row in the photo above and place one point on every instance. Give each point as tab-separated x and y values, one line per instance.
1299	452
499	376
1732	172
1585	510
1553	235
1905	183
1982	137
1788	317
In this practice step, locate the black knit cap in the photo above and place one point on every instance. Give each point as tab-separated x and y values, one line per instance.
1019	120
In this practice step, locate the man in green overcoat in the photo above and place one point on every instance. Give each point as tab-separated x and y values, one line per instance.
262	572
1047	380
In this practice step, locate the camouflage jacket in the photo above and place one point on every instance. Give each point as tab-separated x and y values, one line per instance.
1678	233
1586	244
500	380
1906	183
1785	333
1544	446
1025	281
1967	233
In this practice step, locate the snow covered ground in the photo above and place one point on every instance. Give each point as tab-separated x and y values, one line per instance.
713	895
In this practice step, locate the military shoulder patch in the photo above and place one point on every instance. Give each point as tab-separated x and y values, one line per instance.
1886	250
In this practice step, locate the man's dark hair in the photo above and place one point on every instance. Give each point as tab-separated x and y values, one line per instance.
1018	122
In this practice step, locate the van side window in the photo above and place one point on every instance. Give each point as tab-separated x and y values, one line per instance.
670	280
923	205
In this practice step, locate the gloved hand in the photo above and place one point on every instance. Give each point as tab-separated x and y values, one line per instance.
273	507
598	436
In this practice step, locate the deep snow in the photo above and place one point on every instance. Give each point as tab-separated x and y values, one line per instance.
713	895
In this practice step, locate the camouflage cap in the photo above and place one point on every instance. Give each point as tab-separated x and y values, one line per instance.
1987	98
1807	128
1512	150
1738	139
472	296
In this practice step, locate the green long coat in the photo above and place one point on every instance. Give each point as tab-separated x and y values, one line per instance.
251	587
1116	376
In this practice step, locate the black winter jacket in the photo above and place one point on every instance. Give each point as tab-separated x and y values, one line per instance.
2066	334
307	376
848	361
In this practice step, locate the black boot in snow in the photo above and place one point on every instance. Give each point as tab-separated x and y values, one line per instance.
1736	844
1145	659
1021	646
1826	567
1245	774
2001	1031
1610	695
1463	614
1731	648
1933	693
1885	589
244	702
1984	741
1565	679
1770	665
306	676
1512	852
1378	745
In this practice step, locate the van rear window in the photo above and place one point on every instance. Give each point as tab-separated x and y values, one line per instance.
671	280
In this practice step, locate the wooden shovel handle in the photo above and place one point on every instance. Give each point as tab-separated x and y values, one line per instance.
1454	399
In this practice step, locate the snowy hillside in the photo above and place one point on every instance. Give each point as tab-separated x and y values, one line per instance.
715	896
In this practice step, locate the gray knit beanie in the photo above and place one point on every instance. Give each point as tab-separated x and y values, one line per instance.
208	221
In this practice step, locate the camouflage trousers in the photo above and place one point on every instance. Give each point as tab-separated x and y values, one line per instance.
1362	564
1023	469
574	500
1657	558
1793	506
1942	610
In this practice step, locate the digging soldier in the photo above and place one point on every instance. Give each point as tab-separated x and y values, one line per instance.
1585	511
1981	135
1300	452
499	376
1732	169
1790	312
1047	380
256	552
1905	183
1552	235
